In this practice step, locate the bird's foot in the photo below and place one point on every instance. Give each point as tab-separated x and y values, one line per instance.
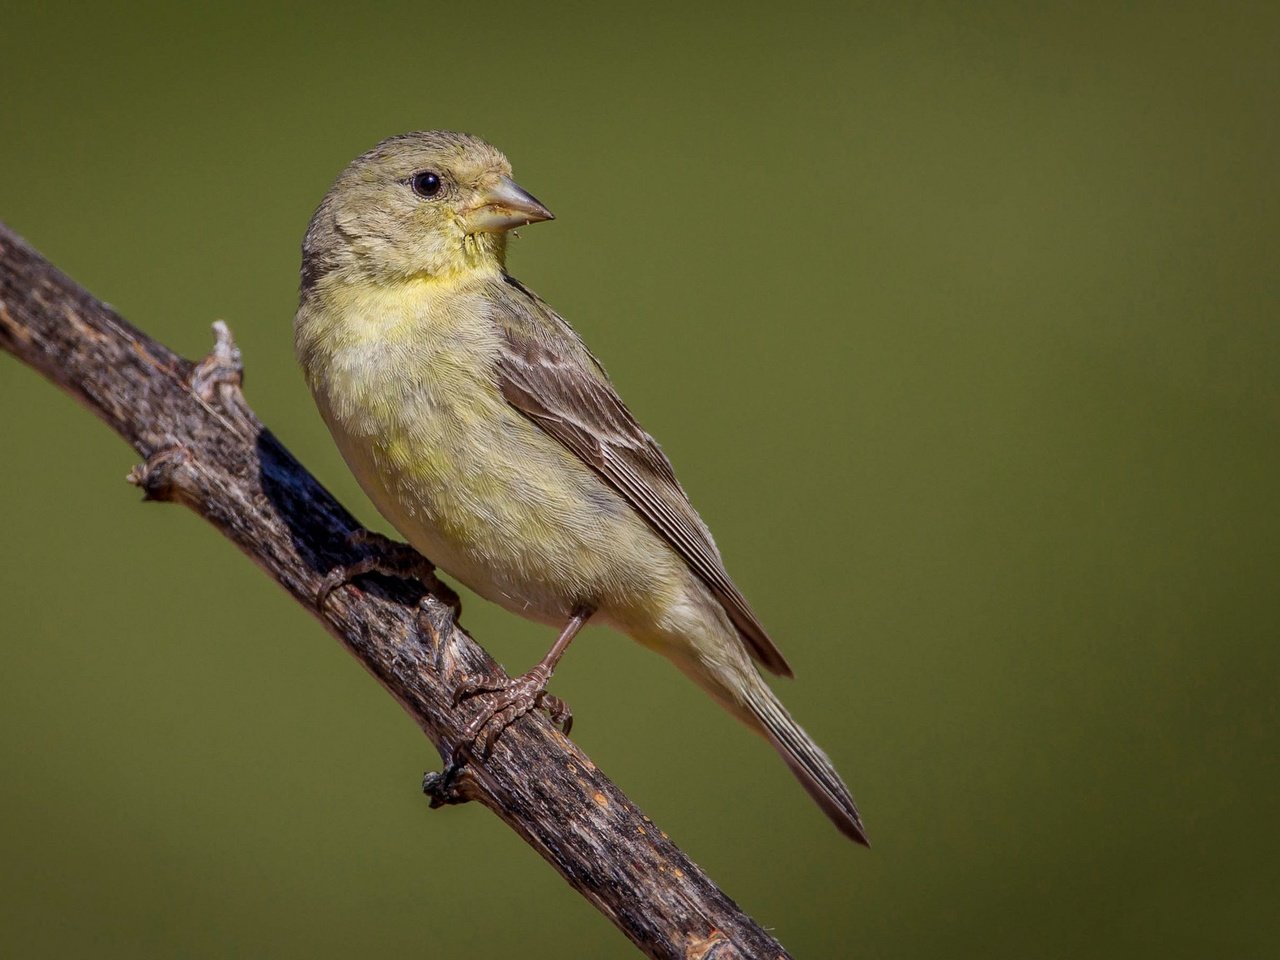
391	559
506	702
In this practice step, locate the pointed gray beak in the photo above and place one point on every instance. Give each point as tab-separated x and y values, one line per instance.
504	206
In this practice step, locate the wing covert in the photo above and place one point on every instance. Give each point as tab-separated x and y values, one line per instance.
549	376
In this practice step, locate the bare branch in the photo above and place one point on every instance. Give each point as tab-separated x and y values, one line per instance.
203	447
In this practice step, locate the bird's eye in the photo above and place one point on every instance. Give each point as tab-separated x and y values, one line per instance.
426	184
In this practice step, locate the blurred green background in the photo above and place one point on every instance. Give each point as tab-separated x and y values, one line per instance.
961	328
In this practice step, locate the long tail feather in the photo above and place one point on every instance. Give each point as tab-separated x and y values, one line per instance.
806	760
735	684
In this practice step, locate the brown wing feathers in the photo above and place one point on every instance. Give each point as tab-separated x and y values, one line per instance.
566	393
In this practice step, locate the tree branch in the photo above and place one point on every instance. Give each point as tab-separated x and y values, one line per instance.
203	447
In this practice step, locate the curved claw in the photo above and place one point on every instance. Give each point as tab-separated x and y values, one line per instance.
331	582
559	713
335	578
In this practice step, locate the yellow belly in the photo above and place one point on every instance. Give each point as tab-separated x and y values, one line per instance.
474	485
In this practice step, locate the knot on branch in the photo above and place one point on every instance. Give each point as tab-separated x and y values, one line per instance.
453	785
218	378
166	475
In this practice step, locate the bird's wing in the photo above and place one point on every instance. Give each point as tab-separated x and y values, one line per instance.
546	373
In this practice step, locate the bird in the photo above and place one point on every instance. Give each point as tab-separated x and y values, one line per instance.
488	435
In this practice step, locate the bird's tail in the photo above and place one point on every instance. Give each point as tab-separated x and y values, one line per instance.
745	694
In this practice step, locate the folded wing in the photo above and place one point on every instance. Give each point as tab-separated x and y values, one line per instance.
547	374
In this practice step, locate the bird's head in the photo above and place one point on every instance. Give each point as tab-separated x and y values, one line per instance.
428	204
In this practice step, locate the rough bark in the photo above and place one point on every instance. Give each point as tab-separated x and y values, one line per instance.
203	447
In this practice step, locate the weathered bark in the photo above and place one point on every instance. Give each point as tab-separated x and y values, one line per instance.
203	447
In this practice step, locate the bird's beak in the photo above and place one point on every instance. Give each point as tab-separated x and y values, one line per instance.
505	205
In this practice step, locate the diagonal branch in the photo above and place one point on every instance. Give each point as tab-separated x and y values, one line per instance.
203	447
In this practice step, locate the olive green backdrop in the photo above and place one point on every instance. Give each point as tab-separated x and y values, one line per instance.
960	325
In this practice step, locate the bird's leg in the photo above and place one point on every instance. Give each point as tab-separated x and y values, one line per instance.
512	699
391	559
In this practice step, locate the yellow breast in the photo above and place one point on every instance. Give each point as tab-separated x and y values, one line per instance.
404	377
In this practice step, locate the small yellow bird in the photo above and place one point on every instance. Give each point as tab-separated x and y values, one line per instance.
485	432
